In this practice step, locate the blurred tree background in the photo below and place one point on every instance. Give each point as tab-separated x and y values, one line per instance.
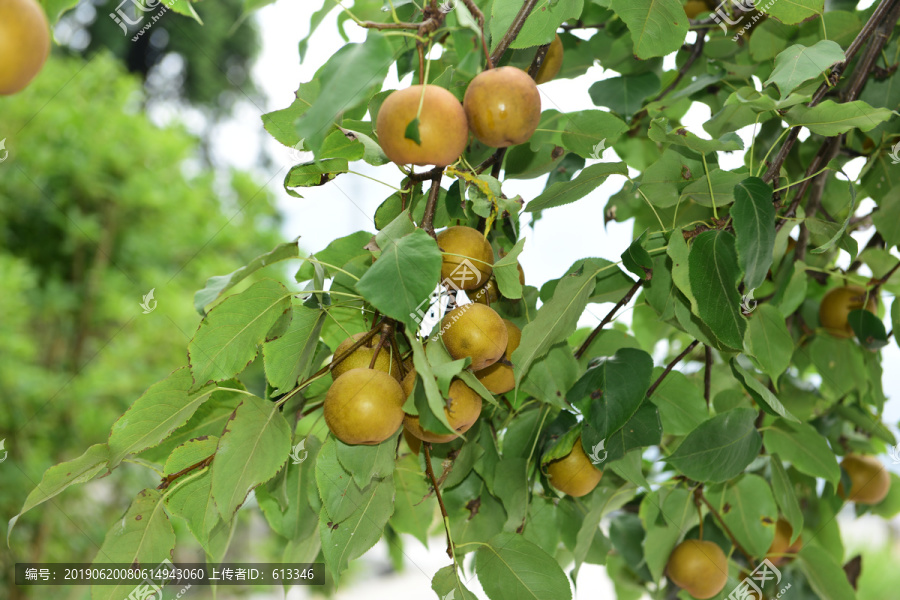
98	205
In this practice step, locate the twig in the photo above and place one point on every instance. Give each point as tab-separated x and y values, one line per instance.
877	19
538	60
431	204
671	366
387	333
609	316
883	279
698	493
479	16
426	446
707	374
425	175
513	31
696	52
168	479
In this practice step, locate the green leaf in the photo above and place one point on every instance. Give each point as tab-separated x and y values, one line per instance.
799	64
768	401
190	453
227	339
427	384
658	27
289	358
59	477
351	538
413	513
510	567
165	406
804	447
795	11
350	77
252	449
280	123
412	132
340	495
714	274
565	192
680	403
868	328
768	340
506	272
720	448
722	194
342	144
403	277
754	229
617	387
887	217
829	118
56	8
191	496
824	574
662	133
447	585
337	254
313	174
144	537
636	258
783	489
666	515
556	319
641	430
541	25
624	95
367	462
588	132
215	286
748	509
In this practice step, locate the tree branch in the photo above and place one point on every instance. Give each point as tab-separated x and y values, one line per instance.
479	16
426	446
671	366
696	52
609	316
877	20
431	204
513	31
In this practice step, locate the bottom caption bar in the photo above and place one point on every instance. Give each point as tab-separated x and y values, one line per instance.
169	573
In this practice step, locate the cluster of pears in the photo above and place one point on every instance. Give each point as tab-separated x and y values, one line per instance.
501	107
24	43
364	405
700	567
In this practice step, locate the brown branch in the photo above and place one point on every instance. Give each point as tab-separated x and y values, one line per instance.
387	333
426	446
884	278
491	160
538	61
479	16
696	52
168	479
425	175
609	316
698	493
513	31
671	366
401	25
395	348
878	20
707	373
431	204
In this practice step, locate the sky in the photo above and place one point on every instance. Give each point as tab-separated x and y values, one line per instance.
348	204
